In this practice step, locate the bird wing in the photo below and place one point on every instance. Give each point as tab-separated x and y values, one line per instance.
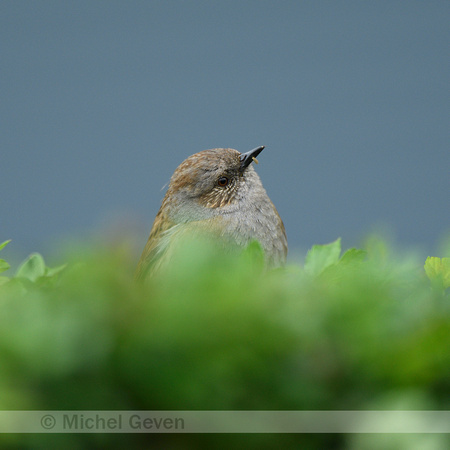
154	248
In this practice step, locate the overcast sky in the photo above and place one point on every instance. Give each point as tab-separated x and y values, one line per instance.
101	100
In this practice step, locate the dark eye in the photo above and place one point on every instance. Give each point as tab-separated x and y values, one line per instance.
222	181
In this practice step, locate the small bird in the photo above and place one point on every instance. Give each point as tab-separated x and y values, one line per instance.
219	193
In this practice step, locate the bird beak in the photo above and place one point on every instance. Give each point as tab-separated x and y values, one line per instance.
247	158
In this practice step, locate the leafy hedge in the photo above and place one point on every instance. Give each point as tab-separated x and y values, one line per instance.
361	331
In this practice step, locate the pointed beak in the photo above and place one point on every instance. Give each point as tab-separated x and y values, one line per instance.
247	158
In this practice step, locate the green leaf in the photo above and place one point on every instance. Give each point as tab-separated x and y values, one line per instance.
322	256
4	244
32	268
377	248
438	270
3	280
51	272
254	254
3	265
353	255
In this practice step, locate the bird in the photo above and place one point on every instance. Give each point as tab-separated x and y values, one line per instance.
216	192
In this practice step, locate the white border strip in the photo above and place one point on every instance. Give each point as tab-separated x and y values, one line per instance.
224	421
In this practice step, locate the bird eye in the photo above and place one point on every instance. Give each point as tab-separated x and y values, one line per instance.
222	181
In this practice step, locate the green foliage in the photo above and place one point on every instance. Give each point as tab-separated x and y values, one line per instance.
438	271
323	257
33	269
216	331
3	264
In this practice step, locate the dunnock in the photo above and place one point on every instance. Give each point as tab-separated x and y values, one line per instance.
216	192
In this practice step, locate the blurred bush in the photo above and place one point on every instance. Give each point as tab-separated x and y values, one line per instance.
361	331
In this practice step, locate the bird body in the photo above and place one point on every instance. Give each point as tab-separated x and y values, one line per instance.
216	193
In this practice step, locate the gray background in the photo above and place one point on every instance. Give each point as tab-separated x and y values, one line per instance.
101	100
